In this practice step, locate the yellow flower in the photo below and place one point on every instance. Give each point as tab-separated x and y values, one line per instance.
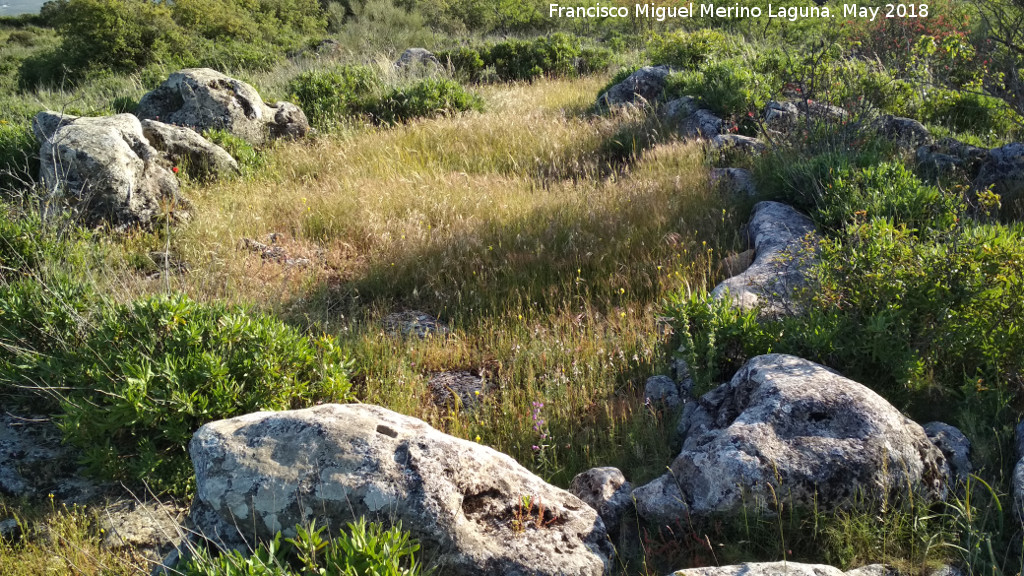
478	438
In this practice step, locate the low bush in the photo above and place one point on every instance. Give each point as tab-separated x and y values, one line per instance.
150	373
327	96
556	55
424	99
688	50
19	155
971	111
248	157
464	62
364	549
728	88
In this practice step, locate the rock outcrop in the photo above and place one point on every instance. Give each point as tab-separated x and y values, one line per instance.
906	132
664	391
105	170
416	57
948	156
473	509
605	490
954	446
788	430
183	147
735	180
641	87
203	99
780	236
1003	170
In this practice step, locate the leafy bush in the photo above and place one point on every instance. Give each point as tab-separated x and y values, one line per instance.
152	372
364	549
726	88
688	50
242	151
427	98
970	111
19	154
888	191
326	96
464	62
556	55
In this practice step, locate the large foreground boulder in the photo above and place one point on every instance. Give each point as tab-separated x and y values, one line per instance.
786	430
104	169
782	239
203	99
267	472
641	87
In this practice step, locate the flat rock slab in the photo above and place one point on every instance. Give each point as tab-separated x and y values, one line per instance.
787	429
464	502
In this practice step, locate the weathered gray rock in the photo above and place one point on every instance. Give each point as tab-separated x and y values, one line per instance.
681	371
736	180
34	462
1003	170
677	110
788	430
954	446
1018	489
735	264
414	323
739	142
203	99
1018	439
662	390
948	156
780	114
183	147
700	124
459	388
333	463
786	569
905	131
10	529
605	490
821	110
104	169
152	529
641	87
416	57
782	240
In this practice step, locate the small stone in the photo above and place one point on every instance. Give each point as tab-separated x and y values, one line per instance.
461	389
735	180
954	445
662	390
414	323
10	529
605	490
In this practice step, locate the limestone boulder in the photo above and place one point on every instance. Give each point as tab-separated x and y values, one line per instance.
955	446
473	509
905	131
203	99
783	241
737	181
105	170
605	490
949	156
184	147
414	57
642	87
1003	170
788	430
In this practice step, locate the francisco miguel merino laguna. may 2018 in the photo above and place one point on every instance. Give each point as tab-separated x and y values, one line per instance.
736	10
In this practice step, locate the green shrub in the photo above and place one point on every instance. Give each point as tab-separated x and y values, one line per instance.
153	372
973	112
727	88
688	50
892	95
427	98
19	155
556	55
248	157
327	96
888	191
365	549
464	62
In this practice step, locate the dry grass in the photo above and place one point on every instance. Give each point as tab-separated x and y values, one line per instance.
546	255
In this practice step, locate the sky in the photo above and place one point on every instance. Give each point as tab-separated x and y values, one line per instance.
15	7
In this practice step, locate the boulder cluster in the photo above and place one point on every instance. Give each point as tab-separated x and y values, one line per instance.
124	169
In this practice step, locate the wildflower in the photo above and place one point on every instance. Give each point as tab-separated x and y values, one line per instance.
174	169
535	447
478	438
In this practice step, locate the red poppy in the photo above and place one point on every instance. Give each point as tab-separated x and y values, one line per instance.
174	169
